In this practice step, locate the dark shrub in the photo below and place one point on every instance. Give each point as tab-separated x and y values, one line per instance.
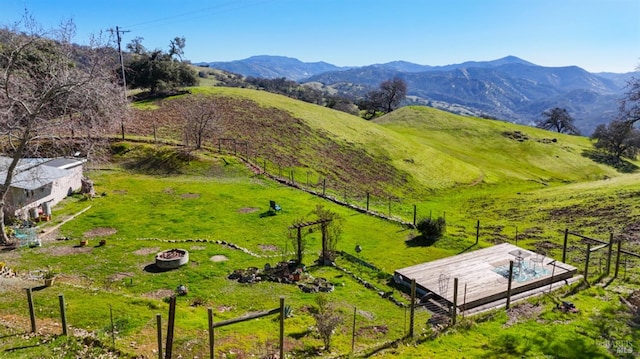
432	229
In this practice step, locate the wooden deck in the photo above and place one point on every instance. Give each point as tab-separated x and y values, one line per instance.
485	274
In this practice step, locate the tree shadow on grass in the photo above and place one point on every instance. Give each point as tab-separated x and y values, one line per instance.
421	241
619	164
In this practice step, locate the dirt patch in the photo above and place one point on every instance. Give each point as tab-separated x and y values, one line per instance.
120	276
65	250
224	308
219	258
521	313
100	232
190	195
248	210
159	294
268	247
373	330
120	191
146	251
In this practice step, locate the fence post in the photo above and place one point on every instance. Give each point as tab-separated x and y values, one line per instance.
113	328
282	327
32	313
609	253
63	314
516	235
264	165
477	231
509	285
615	275
324	187
586	264
211	347
170	324
353	332
414	214
454	310
564	246
367	201
413	305
159	330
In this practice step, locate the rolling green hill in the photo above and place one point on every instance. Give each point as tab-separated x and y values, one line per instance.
408	153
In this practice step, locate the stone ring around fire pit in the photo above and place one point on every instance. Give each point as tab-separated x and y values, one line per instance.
172	258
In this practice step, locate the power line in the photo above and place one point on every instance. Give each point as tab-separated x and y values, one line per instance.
204	12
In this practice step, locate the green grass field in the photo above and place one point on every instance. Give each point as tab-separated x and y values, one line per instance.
464	169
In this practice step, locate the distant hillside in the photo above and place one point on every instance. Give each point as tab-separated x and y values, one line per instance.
509	88
272	67
407	153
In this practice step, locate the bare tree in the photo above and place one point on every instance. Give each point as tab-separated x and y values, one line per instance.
385	99
559	120
630	104
393	93
52	91
201	117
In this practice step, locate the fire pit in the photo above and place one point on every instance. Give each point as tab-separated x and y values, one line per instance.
172	258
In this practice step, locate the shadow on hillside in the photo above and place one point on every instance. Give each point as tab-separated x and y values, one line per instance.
619	164
159	161
148	96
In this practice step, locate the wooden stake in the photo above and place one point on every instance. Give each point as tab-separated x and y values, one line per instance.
159	330
586	264
32	313
211	347
564	246
509	285
454	309
113	329
353	332
63	314
609	253
413	306
170	325
282	327
615	275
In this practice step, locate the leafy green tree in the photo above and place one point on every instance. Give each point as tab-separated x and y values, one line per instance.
618	138
159	71
559	120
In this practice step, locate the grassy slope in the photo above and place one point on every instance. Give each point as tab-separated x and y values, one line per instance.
500	157
439	150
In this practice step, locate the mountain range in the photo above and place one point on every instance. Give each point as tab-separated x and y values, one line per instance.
509	88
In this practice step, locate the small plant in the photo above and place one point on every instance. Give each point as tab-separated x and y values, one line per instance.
327	320
49	274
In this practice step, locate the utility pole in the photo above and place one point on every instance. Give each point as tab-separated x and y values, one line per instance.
124	81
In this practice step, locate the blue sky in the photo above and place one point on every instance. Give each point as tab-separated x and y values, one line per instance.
597	35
